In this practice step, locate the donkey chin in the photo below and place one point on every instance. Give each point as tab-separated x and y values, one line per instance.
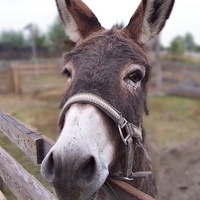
78	164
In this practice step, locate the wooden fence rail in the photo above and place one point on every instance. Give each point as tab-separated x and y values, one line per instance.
24	75
35	145
20	77
6	84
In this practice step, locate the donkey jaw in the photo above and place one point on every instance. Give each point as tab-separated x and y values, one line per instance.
80	159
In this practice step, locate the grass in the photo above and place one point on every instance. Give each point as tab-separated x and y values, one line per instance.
171	119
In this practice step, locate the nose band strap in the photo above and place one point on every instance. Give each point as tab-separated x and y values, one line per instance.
95	100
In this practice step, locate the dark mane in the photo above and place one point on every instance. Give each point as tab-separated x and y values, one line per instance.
118	26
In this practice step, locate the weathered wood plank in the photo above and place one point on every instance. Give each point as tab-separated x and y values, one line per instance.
32	143
42	72
30	66
187	88
23	185
16	81
47	144
125	191
185	91
29	142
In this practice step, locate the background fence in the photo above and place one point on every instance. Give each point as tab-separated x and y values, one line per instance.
176	78
24	77
6	84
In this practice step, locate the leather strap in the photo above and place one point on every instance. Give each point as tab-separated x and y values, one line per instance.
96	101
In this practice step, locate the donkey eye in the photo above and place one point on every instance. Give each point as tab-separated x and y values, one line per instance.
66	72
136	76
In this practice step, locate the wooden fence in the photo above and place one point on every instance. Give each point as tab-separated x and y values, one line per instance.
34	77
27	77
23	77
5	77
178	79
35	145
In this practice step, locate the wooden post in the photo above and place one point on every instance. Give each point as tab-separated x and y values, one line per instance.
10	85
37	72
16	80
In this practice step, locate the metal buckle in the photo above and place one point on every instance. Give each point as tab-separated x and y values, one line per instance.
139	174
130	130
124	138
122	178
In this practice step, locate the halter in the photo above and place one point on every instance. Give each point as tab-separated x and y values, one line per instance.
127	130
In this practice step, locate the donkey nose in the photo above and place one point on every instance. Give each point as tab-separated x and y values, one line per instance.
87	170
83	168
48	168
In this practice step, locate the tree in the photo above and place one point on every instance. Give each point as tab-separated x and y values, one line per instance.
197	48
14	38
56	35
40	38
35	36
189	42
177	45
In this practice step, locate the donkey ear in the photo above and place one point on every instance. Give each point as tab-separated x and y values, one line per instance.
148	20
79	21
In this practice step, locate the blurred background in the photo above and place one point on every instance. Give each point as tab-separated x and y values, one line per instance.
32	41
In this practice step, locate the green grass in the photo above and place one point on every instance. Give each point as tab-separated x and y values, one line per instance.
172	119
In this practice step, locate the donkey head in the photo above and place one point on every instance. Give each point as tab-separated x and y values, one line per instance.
112	65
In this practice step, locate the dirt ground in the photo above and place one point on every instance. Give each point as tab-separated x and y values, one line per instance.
178	170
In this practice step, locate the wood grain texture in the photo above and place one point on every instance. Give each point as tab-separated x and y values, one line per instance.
23	185
24	138
30	141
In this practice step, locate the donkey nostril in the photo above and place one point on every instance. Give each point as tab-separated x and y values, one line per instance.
88	169
48	168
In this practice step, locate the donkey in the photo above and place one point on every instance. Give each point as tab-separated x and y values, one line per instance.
101	120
